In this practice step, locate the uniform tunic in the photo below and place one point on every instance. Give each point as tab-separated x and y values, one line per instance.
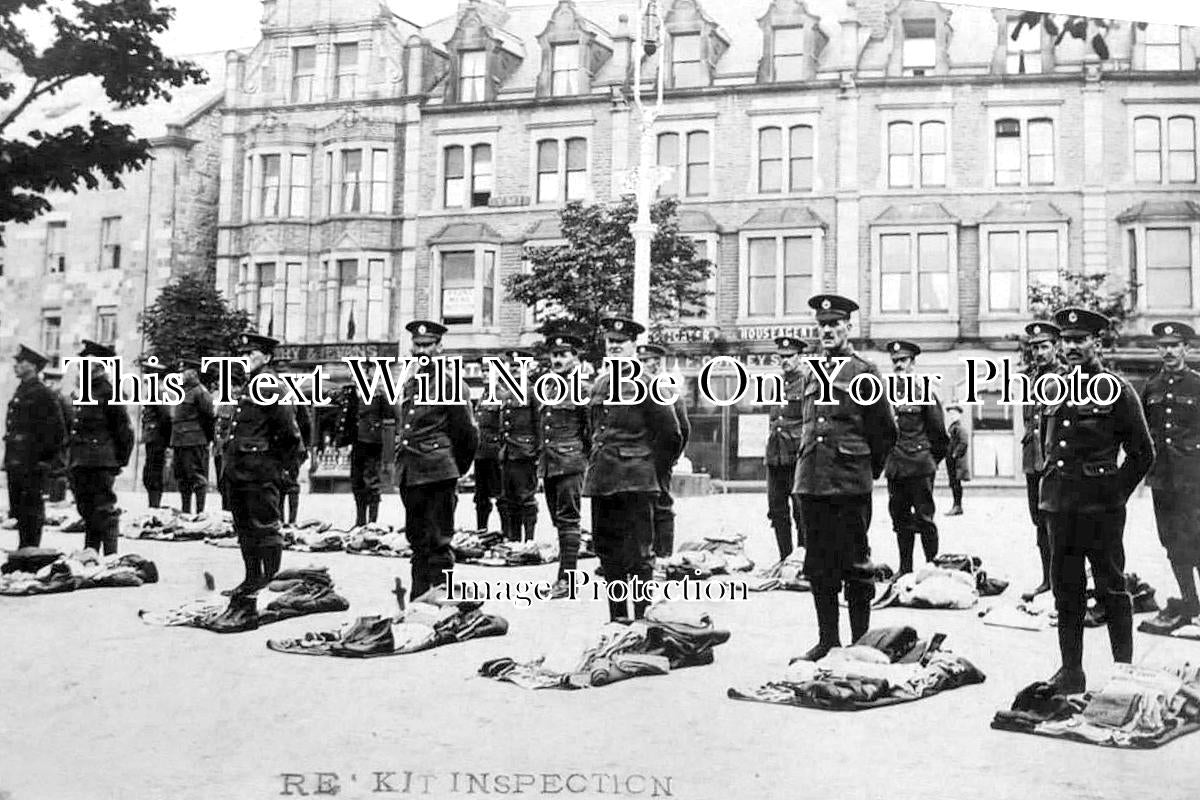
222	432
360	427
101	444
921	444
156	437
487	461
33	436
191	432
664	503
957	469
289	477
1032	459
783	448
1171	401
520	448
566	439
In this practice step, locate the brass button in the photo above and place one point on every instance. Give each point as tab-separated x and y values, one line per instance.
1060	463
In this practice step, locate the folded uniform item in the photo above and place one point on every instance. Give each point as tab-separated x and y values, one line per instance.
83	569
29	559
931	587
419	627
718	554
1023	616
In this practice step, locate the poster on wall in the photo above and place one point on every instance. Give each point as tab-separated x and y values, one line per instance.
752	435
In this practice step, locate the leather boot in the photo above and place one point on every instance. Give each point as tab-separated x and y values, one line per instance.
253	579
481	518
858	598
373	512
1044	586
185	501
955	511
201	497
271	557
826	603
783	539
293	503
530	525
1120	631
360	512
155	499
1070	679
1187	589
510	527
929	545
905	541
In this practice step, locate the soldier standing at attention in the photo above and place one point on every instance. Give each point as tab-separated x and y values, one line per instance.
566	440
192	423
911	466
520	448
435	443
33	435
56	477
628	444
360	427
289	483
1083	494
957	469
1042	338
223	431
1171	400
101	444
783	448
651	356
262	436
156	437
844	448
487	462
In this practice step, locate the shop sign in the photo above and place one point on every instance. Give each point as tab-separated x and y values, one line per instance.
336	351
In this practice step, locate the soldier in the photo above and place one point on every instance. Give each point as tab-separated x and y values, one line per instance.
651	356
289	483
783	447
56	476
629	445
1042	339
1171	399
34	431
487	462
844	448
156	437
911	466
1083	494
223	431
566	440
101	444
360	427
434	447
262	436
957	468
520	448
192	423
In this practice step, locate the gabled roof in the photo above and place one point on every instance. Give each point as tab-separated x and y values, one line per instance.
466	233
1024	211
783	217
908	213
1161	209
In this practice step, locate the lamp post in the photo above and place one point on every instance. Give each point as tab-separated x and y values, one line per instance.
646	43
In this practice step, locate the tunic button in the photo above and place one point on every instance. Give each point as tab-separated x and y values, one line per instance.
820	438
820	419
1062	443
404	441
407	426
1059	462
1170	411
1168	441
1066	423
1102	470
1168	424
1169	396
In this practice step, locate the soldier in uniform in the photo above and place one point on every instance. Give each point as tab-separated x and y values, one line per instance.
487	462
33	435
783	448
192	423
156	437
651	356
289	482
957	469
520	448
56	476
1171	399
844	447
434	447
1083	494
223	431
360	427
911	466
101	444
262	436
566	440
631	444
1042	339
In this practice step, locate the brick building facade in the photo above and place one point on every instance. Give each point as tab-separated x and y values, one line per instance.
906	153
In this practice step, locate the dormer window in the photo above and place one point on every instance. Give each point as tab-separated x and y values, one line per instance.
564	69
1163	51
472	76
304	71
1024	55
920	46
788	54
686	62
346	77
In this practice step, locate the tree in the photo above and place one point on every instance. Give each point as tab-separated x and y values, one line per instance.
111	41
191	319
577	284
1084	290
1075	25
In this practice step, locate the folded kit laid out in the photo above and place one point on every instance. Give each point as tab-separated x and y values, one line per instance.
1140	707
38	570
171	525
885	667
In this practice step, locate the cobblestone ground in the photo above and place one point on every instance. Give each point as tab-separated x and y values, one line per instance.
98	705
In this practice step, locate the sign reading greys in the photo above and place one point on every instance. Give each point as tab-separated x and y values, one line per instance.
335	352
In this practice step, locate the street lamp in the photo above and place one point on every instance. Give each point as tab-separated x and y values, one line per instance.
649	31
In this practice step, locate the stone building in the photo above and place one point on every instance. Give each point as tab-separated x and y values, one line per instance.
907	153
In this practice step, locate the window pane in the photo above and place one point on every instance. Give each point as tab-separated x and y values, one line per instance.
576	154
801	174
790	68
934	265
481	174
686	47
797	273
352	163
919	44
547	156
1169	288
1146	133
1147	167
1168	247
935	292
379	182
668	156
762	257
1043	251
789	41
697	170
770	143
801	141
1181	139
488	286
1004	271
565	56
472	66
900	138
1008	161
458	287
270	186
691	74
763	285
1163	57
770	162
933	137
547	187
900	171
454	162
298	199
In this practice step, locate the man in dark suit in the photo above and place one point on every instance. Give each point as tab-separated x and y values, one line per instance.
435	444
651	356
783	447
958	468
33	435
192	430
156	438
101	444
56	477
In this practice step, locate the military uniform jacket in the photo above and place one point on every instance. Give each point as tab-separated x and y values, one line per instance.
566	439
921	441
434	442
631	444
101	436
261	437
192	420
34	428
787	422
156	426
1171	401
843	446
1031	442
359	421
488	417
520	432
956	455
223	425
1081	444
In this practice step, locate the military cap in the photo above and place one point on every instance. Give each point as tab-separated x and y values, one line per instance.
653	350
1173	332
790	345
514	353
96	349
425	331
52	374
189	363
832	306
148	365
899	347
254	341
954	407
1042	332
563	341
621	327
1080	321
38	360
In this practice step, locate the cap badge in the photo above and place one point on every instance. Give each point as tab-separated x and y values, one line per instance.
618	325
826	304
420	329
1169	329
1073	317
896	347
1037	329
